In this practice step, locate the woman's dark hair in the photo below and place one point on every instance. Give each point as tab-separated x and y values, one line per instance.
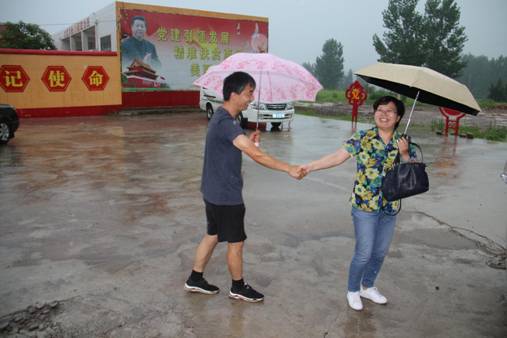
236	83
400	107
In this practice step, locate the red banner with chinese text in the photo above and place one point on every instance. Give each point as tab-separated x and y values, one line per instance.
168	51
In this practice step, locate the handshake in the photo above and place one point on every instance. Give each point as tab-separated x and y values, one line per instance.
299	171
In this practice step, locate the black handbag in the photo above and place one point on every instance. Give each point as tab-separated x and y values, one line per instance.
405	179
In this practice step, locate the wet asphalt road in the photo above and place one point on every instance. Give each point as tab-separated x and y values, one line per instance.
104	213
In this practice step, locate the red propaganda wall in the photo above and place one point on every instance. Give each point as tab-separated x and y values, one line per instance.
60	83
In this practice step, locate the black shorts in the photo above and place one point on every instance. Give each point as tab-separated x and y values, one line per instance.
226	221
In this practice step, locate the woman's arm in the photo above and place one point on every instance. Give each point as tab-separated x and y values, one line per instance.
403	149
328	161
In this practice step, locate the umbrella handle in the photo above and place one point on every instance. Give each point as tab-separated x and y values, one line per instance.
411	111
258	101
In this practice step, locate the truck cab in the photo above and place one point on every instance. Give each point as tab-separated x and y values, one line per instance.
275	113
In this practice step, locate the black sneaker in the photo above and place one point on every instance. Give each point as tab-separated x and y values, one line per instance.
247	293
201	286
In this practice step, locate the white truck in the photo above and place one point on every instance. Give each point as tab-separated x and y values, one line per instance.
275	113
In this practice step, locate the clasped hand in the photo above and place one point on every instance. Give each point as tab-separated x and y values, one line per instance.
299	171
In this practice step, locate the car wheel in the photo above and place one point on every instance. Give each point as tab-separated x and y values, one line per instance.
209	111
275	126
5	132
243	121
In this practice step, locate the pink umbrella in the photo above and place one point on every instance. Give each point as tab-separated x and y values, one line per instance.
278	80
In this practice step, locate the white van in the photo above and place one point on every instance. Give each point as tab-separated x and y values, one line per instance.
274	113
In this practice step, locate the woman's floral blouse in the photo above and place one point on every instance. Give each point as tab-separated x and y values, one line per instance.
373	158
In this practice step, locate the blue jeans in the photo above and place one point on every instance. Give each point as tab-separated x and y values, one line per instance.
374	232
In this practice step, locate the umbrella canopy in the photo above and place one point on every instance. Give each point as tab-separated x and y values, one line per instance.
423	84
277	79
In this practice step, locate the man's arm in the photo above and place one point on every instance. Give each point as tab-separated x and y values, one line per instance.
244	144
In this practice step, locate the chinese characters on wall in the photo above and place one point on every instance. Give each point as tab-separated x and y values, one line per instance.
197	45
13	78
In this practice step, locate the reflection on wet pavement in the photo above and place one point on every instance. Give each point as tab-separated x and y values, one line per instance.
103	214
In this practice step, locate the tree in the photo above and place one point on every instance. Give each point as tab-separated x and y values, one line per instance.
309	67
329	66
347	80
480	73
434	39
476	75
444	39
498	91
25	36
403	36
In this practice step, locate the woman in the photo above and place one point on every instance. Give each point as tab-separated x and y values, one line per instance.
375	150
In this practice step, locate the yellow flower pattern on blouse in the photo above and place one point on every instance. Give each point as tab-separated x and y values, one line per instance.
373	158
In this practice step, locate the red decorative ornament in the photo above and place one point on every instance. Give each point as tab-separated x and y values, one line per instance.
356	95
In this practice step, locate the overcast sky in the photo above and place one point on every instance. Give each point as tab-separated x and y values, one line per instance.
297	28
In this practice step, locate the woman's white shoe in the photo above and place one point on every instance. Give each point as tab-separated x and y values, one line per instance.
373	294
354	300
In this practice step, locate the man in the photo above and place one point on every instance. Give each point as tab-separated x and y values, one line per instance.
222	185
136	47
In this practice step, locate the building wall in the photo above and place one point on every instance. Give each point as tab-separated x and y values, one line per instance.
106	18
103	22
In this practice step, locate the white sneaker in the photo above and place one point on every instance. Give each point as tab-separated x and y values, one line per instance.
373	295
354	300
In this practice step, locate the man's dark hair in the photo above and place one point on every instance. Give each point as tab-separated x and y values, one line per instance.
137	17
400	107
236	83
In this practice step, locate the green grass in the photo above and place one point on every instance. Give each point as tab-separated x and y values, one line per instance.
491	133
335	96
490	104
328	95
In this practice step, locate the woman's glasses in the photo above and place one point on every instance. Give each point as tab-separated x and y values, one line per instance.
386	112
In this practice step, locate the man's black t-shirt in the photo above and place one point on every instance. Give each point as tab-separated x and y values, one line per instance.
222	183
